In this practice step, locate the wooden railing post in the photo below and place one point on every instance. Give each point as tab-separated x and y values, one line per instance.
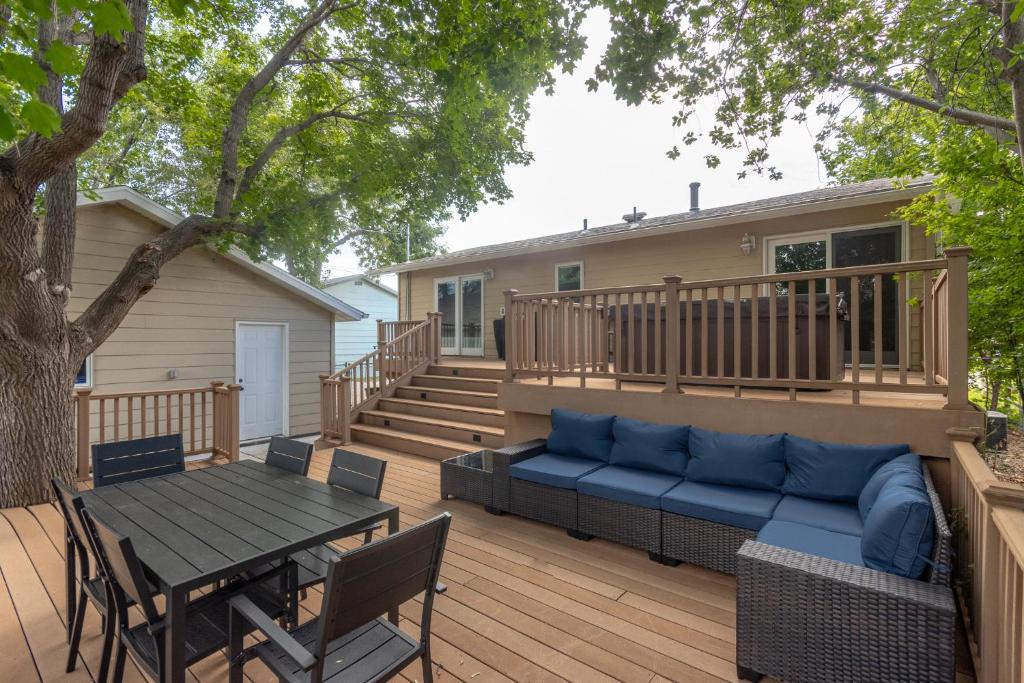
671	333
380	333
510	335
233	426
434	336
956	332
83	427
345	409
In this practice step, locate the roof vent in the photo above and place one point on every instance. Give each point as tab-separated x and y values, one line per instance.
584	223
694	196
634	217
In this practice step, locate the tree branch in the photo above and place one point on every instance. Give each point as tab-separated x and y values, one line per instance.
226	190
112	67
281	137
139	275
967	116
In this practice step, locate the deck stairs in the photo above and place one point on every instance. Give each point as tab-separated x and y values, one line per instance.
445	411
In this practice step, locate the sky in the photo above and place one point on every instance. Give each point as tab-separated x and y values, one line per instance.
597	158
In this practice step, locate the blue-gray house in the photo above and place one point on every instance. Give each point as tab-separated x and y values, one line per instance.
355	338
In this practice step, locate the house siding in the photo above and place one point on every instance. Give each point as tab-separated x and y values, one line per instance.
355	338
694	255
187	321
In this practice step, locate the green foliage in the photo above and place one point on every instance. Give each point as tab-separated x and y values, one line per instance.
430	98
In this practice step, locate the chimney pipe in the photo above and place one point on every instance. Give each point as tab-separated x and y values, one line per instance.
695	196
584	223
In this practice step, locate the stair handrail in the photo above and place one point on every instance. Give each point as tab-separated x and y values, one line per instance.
361	383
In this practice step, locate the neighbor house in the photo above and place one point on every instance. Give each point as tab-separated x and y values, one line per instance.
355	338
833	227
212	317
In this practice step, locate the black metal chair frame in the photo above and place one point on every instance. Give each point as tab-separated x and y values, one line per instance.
362	584
122	461
290	455
125	580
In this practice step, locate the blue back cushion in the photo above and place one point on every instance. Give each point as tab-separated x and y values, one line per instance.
898	531
580	435
750	461
647	446
833	471
907	467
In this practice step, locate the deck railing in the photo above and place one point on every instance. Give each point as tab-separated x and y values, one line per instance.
779	330
388	330
361	383
206	418
988	525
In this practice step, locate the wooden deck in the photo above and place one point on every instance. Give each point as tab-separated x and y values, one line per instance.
525	602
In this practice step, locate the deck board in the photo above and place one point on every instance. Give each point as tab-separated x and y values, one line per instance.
525	602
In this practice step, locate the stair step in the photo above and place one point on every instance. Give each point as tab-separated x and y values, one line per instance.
491	417
460	397
407	442
444	370
483	436
488	386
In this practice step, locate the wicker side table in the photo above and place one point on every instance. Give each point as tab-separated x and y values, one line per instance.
470	477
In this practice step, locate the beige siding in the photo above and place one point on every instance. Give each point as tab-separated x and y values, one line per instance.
695	255
187	321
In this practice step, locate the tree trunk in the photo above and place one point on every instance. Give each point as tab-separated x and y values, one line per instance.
37	439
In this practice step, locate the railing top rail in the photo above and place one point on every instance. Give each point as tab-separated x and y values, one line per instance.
1011	523
880	268
148	392
403	322
409	332
348	369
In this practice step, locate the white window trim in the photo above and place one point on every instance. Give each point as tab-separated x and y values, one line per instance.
88	374
568	265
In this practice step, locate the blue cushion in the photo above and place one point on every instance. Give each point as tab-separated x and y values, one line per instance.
812	540
627	485
908	466
833	471
580	435
898	531
750	461
647	446
732	505
552	469
823	514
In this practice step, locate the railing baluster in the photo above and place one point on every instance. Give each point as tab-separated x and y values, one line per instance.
791	337
131	418
657	329
838	372
855	335
103	421
720	331
643	332
877	335
737	356
689	336
755	323
812	330
117	418
631	338
902	334
928	330
773	331
704	314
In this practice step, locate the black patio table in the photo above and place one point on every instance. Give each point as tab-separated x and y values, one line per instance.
194	528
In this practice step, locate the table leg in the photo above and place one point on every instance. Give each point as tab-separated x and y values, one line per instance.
393	529
174	637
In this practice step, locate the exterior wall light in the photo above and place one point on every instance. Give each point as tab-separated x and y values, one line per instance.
748	243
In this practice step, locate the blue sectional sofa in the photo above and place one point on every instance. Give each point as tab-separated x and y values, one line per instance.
781	511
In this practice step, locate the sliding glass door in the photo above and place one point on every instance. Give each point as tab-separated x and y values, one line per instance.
460	300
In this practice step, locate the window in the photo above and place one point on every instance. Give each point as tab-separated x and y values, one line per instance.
796	257
569	277
83	380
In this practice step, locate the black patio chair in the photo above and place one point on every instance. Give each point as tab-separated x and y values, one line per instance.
290	455
86	586
120	461
350	640
206	617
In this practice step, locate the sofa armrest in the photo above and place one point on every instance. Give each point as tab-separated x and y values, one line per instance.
797	612
505	458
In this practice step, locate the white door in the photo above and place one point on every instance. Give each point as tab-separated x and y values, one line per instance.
460	300
259	364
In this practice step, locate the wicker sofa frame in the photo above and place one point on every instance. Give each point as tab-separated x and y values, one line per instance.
803	618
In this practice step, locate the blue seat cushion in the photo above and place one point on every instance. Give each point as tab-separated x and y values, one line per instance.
580	435
812	540
731	505
649	446
833	471
747	460
898	531
552	469
642	488
907	467
823	514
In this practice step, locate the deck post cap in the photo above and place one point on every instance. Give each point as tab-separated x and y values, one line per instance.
956	251
672	279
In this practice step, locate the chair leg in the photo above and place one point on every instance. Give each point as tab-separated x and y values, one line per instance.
119	661
428	670
368	536
108	645
745	674
76	633
236	656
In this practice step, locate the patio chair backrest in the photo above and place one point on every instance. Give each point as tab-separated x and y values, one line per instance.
71	505
367	582
121	569
289	454
120	461
357	473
